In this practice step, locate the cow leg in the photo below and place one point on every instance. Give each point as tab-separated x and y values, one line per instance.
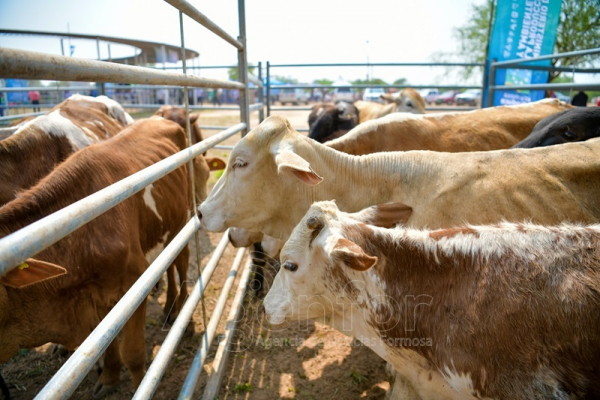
401	389
109	378
169	310
259	260
4	393
133	345
182	263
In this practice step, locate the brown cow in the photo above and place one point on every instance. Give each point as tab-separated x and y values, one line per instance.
37	146
177	114
407	101
106	256
510	311
479	130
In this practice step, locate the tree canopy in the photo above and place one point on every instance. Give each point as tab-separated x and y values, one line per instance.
578	29
233	72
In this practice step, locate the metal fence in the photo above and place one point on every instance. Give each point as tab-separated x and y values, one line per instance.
269	88
20	245
525	64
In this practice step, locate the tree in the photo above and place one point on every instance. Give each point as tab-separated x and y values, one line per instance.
401	81
578	29
324	82
373	81
233	72
286	79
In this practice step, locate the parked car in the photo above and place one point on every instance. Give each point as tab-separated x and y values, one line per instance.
293	96
446	97
343	94
429	95
373	94
471	97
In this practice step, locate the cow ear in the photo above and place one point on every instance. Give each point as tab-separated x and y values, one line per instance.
215	163
289	162
352	255
387	97
31	272
194	117
384	215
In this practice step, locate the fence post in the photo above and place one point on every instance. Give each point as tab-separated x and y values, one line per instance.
268	89
261	94
243	69
101	86
492	83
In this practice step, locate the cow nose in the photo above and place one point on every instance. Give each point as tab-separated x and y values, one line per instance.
199	215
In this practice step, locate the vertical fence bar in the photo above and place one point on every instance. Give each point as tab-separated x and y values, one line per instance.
492	83
268	89
261	94
243	68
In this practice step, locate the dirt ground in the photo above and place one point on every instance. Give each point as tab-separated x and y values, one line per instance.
303	361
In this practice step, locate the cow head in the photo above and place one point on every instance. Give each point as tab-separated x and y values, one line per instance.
262	184
408	100
324	259
177	114
31	272
574	125
328	122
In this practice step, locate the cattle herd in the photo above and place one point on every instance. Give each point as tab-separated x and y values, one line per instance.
463	248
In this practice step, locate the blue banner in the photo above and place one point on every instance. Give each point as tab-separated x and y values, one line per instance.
522	29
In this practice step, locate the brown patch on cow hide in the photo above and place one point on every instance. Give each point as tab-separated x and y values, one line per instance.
451	232
391	214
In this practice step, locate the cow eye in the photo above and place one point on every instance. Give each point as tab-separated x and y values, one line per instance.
569	134
408	104
290	266
239	163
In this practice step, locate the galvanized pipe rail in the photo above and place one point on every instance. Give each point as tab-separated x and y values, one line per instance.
187	391
30	240
163	357
523	63
33	65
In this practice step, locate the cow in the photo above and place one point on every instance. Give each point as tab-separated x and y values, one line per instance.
103	258
328	121
177	114
407	101
479	130
38	145
567	126
507	311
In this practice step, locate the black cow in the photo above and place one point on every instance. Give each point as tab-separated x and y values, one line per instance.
328	121
575	125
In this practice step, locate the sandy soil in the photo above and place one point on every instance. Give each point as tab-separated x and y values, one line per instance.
303	361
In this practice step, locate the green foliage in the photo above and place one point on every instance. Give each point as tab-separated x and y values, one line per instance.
578	29
324	82
373	81
233	72
286	79
242	388
401	81
356	378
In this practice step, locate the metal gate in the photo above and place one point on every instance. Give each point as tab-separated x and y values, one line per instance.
20	245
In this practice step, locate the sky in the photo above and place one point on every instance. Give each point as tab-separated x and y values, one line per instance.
279	31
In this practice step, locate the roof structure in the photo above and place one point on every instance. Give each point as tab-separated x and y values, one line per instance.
151	52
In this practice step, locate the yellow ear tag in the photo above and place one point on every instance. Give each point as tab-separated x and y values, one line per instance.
349	116
23	266
215	164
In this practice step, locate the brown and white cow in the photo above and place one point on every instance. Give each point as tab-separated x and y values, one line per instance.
479	130
407	101
37	146
510	311
107	255
177	114
279	173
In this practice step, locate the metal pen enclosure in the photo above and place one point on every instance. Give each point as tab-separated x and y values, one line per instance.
20	245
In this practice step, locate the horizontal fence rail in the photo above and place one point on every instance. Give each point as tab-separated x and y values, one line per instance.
163	357
24	243
33	65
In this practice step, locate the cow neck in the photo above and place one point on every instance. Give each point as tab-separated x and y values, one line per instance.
27	157
356	182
